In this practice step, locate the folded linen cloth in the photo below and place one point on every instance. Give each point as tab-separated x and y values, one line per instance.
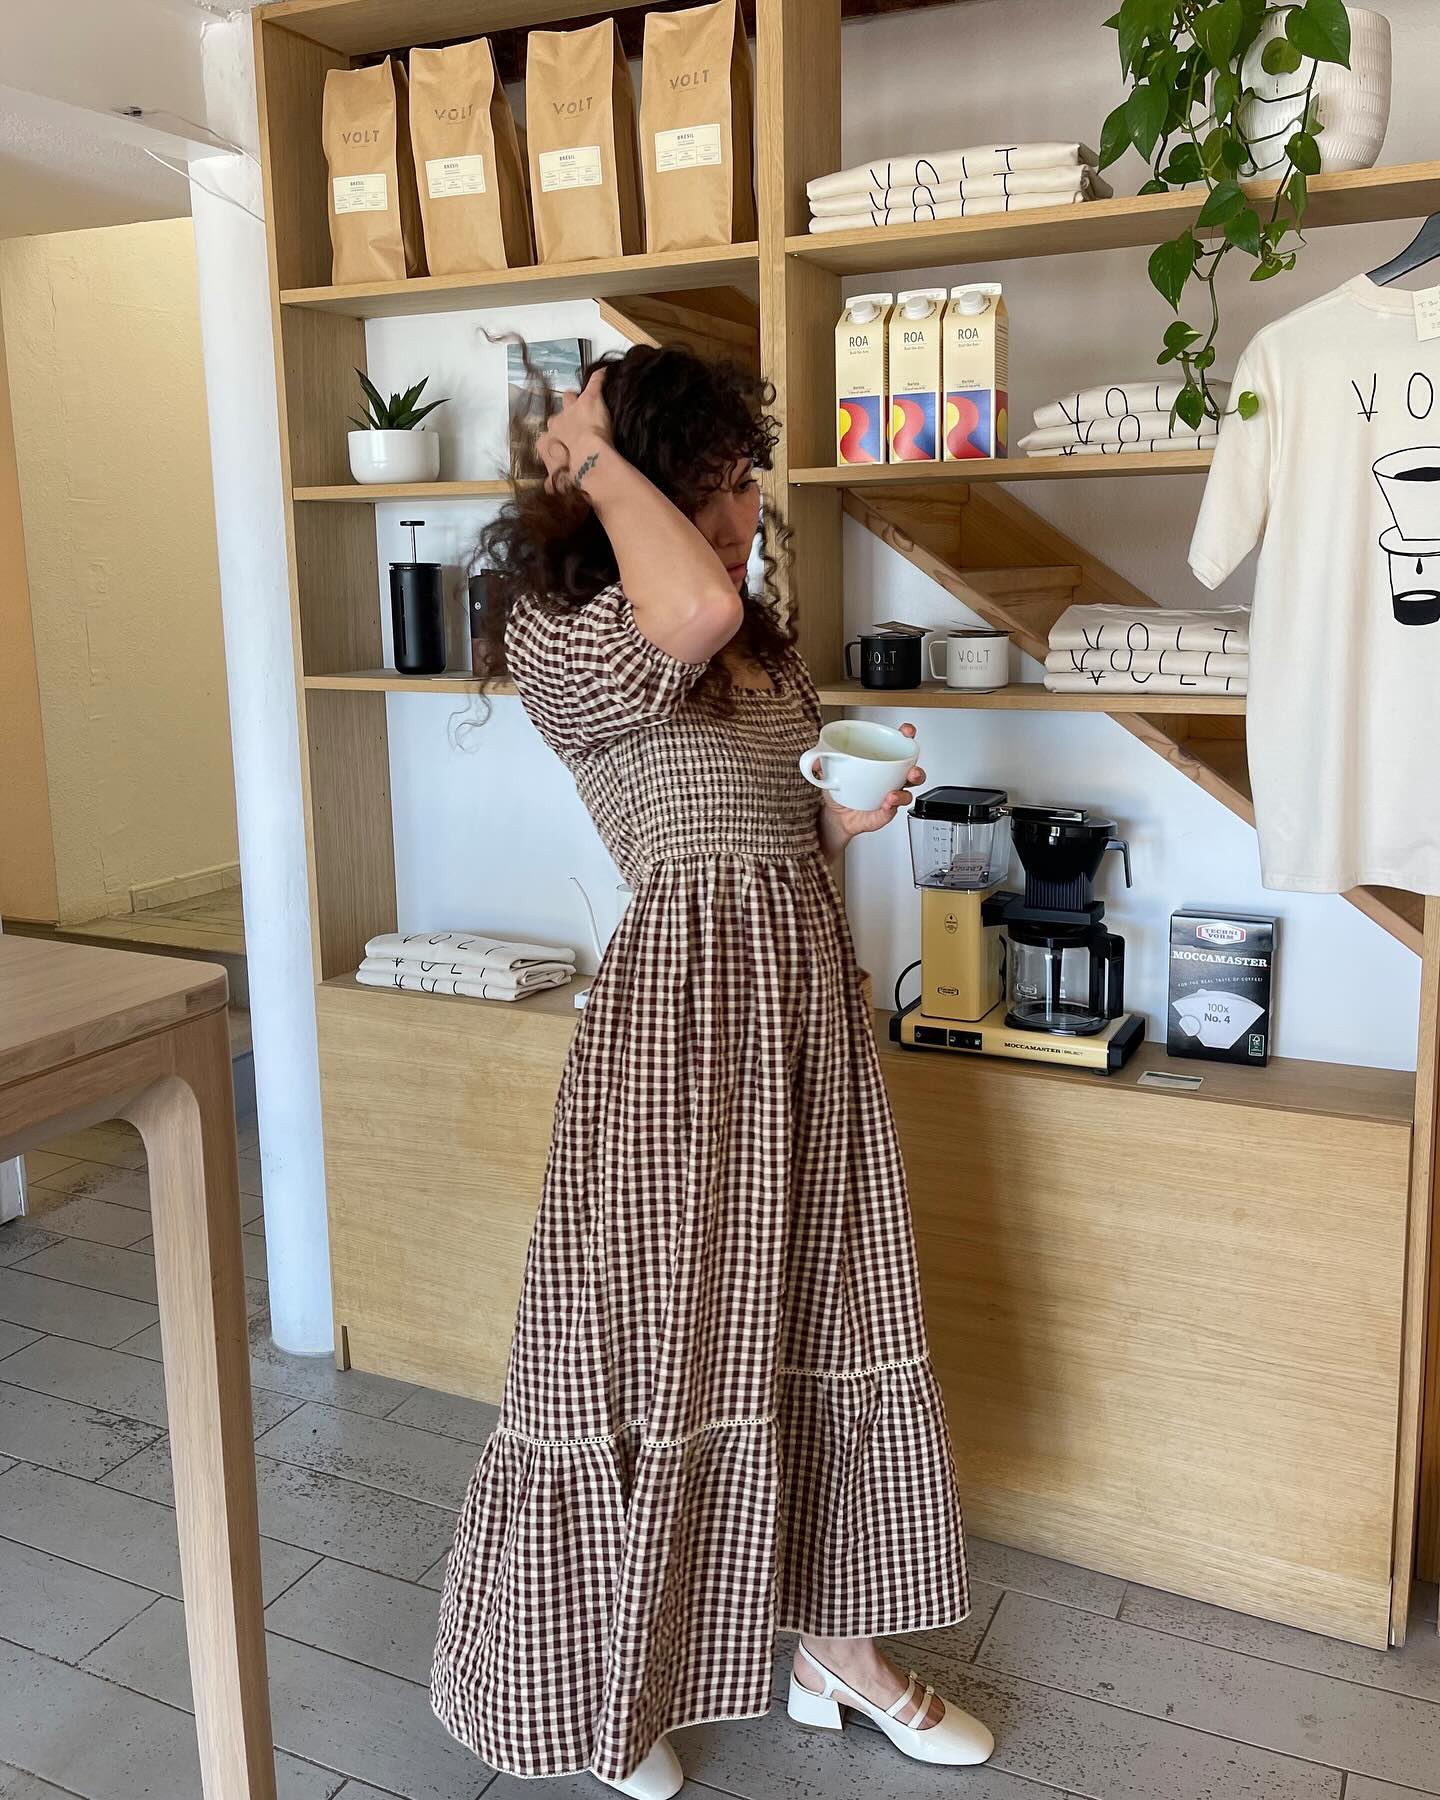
944	209
1077	178
947	165
1224	628
1119	398
1129	428
1147	662
1199	440
530	975
467	948
1111	681
474	987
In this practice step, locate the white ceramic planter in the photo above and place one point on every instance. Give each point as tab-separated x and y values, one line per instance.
394	456
1353	103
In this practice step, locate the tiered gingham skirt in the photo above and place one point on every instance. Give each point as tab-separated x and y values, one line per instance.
719	1418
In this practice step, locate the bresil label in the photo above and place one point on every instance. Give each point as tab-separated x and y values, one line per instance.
447	176
688	147
579	167
361	193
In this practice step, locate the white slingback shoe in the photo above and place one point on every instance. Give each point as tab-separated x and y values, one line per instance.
656	1778
955	1737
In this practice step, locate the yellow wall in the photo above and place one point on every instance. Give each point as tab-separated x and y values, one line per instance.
27	856
102	340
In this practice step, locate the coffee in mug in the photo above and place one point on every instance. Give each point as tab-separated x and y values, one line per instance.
860	763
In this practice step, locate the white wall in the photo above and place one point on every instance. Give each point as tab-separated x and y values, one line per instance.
486	836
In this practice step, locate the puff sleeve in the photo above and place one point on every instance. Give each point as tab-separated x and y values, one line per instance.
588	675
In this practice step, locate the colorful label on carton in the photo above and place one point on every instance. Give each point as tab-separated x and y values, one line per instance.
860	378
977	381
915	385
579	167
860	435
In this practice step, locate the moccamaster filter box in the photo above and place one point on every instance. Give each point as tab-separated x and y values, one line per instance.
1222	966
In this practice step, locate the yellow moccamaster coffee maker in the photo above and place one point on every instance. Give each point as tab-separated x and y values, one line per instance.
1035	975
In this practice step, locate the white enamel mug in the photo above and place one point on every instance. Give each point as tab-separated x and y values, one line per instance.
975	659
860	763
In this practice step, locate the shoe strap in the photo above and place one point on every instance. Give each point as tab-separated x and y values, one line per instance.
893	1711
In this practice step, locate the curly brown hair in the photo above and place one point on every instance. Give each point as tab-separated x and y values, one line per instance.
682	421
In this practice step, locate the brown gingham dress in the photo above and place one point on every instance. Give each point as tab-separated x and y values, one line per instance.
719	1418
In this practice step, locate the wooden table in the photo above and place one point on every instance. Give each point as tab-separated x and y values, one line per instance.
88	1034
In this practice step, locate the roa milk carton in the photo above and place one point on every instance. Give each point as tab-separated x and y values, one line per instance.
977	372
861	364
915	331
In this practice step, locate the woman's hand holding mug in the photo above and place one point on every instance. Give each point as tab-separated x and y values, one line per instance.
865	773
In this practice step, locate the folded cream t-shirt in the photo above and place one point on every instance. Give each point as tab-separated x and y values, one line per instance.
1338	478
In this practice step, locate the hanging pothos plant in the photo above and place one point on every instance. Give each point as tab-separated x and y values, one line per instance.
1186	114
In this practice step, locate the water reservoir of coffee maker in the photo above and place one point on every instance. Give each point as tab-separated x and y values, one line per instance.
960	838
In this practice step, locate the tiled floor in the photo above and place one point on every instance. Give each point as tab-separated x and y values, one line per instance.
1094	1688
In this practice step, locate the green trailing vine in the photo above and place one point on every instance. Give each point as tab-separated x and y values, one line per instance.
1184	113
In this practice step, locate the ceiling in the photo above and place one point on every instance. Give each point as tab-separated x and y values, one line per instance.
67	162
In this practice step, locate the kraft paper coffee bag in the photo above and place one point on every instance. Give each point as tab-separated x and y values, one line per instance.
374	213
468	168
580	122
696	119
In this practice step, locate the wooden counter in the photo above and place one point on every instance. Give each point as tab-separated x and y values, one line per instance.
1167	1324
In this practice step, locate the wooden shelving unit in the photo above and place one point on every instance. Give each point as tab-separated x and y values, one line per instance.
458	1067
1028	696
1128	222
1004	468
371	494
732	266
391	681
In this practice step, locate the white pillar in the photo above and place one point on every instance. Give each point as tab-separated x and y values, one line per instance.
259	658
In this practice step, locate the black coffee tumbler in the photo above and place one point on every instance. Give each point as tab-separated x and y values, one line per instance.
417	612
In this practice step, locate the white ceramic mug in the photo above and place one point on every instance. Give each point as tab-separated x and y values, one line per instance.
860	763
978	659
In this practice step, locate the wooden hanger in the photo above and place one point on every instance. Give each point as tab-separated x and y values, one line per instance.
1425	248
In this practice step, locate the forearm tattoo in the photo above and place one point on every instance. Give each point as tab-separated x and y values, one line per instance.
585	468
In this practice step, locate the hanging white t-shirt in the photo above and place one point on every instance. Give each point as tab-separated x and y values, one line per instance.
1340	472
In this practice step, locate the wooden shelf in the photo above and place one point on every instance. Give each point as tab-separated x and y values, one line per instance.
360	27
556	1000
390	681
730	265
1028	696
1005	468
363	494
1286	1084
1403	191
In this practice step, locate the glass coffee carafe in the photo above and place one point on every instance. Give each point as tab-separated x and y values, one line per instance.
1064	978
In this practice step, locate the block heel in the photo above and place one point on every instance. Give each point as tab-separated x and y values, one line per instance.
816	1711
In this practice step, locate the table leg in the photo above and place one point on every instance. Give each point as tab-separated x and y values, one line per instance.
187	1119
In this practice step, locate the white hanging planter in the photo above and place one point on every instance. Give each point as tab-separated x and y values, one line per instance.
1353	104
394	456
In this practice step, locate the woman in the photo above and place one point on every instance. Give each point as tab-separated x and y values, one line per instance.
719	1418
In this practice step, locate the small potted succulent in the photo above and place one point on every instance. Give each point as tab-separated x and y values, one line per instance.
385	445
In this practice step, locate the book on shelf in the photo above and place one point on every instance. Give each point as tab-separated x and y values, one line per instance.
539	390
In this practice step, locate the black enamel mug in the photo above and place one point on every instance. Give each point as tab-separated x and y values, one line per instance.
887	660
